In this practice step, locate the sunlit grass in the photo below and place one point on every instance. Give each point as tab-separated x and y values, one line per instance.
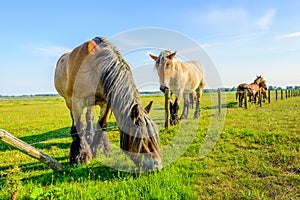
255	157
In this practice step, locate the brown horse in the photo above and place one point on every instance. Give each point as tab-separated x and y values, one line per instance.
252	90
95	73
264	94
182	78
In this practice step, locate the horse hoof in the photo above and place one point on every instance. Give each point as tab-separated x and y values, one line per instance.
196	115
83	158
173	122
183	117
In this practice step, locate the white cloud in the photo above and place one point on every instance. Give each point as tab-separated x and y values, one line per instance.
289	35
265	21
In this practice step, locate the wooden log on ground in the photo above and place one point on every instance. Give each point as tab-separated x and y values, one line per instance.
11	140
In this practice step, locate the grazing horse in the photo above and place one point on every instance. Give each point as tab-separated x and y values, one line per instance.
182	78
252	89
95	73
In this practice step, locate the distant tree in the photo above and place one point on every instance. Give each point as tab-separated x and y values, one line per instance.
271	87
289	87
233	89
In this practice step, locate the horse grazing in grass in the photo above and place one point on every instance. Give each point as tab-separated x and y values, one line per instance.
182	78
252	89
95	73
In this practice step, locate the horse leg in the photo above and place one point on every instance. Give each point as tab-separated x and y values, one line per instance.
80	151
192	99
89	116
242	96
197	110
185	110
94	137
174	107
101	130
75	137
104	116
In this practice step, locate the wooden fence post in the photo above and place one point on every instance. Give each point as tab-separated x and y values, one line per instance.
167	108
11	140
269	96
245	98
259	98
219	100
286	94
276	96
281	94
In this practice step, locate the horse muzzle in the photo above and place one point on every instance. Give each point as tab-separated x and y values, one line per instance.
151	165
163	88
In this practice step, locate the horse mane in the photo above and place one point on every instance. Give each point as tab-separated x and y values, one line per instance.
256	80
163	54
122	96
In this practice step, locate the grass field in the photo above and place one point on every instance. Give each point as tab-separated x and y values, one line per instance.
256	155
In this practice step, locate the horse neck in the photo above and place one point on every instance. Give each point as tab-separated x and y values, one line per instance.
177	66
123	95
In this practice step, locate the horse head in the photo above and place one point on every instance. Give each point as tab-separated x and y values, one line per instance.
139	140
164	65
260	82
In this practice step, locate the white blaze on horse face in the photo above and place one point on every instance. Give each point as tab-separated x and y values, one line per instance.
164	71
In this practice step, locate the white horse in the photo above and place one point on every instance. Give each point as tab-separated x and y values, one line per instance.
182	78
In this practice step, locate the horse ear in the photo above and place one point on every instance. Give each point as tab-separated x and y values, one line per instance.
172	55
135	113
148	107
153	57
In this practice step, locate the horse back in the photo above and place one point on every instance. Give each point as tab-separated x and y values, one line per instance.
242	87
195	73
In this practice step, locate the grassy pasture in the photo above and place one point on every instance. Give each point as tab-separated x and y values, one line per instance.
255	157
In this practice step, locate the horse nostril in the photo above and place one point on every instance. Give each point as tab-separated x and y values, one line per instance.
157	165
163	88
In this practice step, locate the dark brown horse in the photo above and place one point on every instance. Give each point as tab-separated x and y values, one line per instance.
252	90
95	73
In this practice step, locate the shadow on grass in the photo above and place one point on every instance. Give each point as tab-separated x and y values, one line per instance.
231	104
83	173
36	140
35	165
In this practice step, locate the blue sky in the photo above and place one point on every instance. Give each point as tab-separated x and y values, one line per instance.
242	38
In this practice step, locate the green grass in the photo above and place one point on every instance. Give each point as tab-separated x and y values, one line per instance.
256	156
